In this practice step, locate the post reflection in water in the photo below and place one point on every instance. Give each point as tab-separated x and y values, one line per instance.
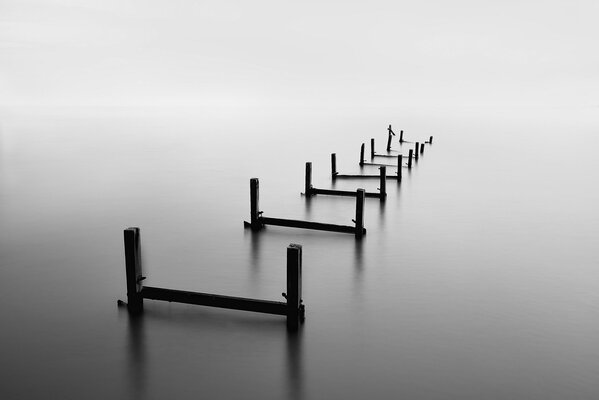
137	354
254	246
308	203
273	331
295	371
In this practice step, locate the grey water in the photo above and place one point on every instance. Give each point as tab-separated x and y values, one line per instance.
478	277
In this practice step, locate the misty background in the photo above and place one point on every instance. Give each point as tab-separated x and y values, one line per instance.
278	53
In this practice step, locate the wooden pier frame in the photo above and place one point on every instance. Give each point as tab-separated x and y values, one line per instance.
310	190
335	174
257	221
293	308
363	162
374	154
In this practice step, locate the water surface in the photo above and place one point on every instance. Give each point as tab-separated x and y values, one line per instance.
477	277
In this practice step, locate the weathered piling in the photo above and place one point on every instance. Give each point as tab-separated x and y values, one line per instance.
383	182
391	133
410	154
308	178
372	148
430	140
416	150
362	154
421	148
255	220
334	165
133	271
293	308
399	166
360	214
401	136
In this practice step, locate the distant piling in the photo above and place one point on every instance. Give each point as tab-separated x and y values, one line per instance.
399	167
334	165
308	179
362	155
372	148
383	182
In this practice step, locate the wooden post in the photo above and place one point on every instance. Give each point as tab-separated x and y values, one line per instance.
308	184
383	182
430	140
410	158
133	270
334	164
399	166
401	136
416	149
372	148
295	308
389	140
360	196
422	148
255	222
362	154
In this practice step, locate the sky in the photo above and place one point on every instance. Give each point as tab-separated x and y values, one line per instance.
317	54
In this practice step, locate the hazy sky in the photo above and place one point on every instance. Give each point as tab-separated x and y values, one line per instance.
268	53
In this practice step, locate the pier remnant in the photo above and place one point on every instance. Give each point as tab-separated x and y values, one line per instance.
257	221
293	308
310	190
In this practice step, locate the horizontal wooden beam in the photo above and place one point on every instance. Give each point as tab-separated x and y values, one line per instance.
214	300
346	193
319	226
346	176
385	155
379	165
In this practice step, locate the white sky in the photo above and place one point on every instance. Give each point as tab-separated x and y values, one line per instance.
271	53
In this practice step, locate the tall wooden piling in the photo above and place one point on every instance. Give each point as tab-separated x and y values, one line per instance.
410	154
372	148
399	167
308	183
421	148
383	182
255	222
389	138
295	309
360	196
133	270
362	154
416	150
401	136
333	165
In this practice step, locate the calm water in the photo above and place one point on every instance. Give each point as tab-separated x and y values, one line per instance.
478	278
